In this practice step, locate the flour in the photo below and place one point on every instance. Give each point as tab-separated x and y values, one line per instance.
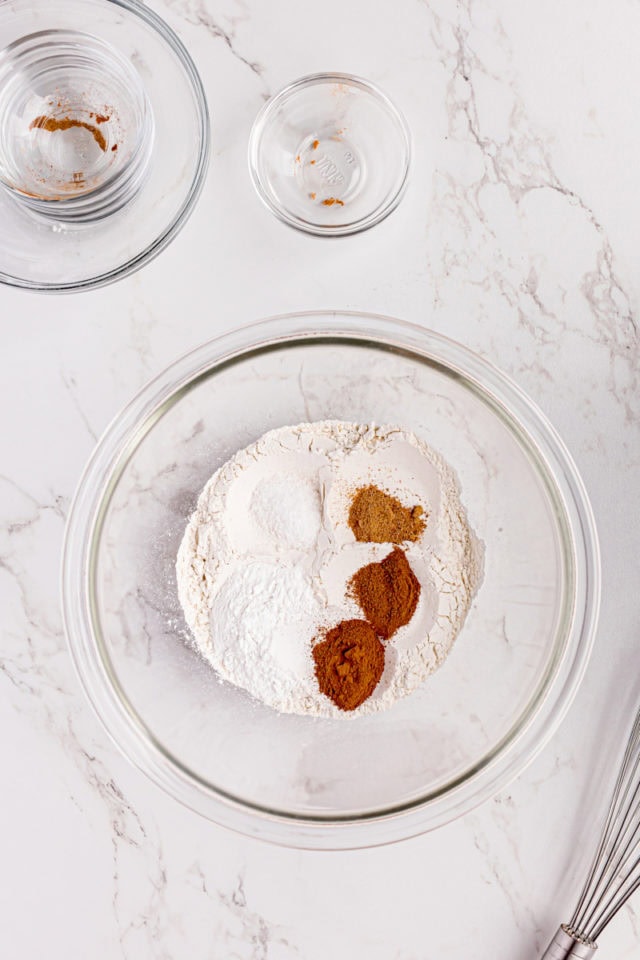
264	563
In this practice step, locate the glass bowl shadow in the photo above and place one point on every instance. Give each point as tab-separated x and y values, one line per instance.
312	782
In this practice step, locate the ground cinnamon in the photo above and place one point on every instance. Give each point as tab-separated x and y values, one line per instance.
387	593
51	124
349	663
377	517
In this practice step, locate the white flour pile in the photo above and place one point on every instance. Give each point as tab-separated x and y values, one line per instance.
266	558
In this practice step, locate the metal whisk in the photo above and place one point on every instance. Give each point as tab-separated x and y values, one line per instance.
615	873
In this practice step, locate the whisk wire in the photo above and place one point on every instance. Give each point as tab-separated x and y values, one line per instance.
619	903
615	871
587	892
611	879
621	849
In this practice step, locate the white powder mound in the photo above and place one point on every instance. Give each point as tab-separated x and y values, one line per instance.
273	663
288	509
266	558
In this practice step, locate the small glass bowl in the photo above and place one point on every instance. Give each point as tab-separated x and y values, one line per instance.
312	781
80	151
330	155
104	140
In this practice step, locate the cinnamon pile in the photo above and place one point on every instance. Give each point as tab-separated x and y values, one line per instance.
349	662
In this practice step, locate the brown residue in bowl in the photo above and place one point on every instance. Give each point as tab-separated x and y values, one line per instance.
51	124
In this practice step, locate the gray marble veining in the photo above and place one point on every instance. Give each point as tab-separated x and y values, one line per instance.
517	236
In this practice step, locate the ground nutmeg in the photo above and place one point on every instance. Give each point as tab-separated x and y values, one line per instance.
377	517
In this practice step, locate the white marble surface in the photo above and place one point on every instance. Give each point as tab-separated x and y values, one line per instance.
517	236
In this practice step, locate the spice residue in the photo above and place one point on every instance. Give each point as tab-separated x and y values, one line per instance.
315	144
387	593
51	124
349	663
329	202
377	517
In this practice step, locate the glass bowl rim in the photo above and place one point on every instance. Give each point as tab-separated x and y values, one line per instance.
151	251
129	732
380	212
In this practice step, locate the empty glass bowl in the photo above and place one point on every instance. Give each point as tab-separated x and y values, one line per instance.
104	140
330	155
343	782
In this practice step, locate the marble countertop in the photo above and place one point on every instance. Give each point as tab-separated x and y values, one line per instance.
516	236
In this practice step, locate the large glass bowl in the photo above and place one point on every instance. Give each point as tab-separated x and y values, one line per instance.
348	782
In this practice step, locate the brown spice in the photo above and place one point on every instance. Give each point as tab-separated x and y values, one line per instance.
329	202
377	517
349	663
114	147
100	118
315	144
51	124
387	593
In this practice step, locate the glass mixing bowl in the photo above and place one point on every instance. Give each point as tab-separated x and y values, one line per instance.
104	141
345	782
